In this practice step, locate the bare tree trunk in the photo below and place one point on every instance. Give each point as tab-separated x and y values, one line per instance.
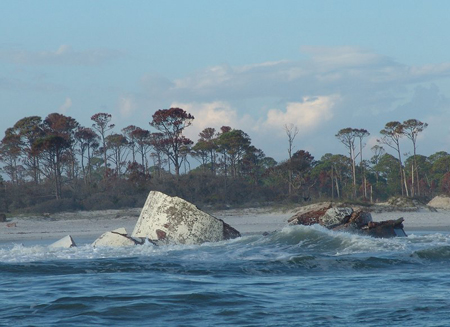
401	175
337	189
354	173
291	132
332	184
406	184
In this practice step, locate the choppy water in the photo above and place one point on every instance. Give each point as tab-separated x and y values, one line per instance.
299	276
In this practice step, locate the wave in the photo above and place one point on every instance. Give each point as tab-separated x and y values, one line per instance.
434	253
303	247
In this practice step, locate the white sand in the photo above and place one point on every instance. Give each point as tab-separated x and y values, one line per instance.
85	227
419	221
82	226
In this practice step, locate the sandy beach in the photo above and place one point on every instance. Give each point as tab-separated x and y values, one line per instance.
85	227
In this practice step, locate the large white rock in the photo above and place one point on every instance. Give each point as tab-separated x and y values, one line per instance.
115	238
65	242
175	221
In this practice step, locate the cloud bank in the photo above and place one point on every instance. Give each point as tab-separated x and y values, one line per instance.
64	55
333	88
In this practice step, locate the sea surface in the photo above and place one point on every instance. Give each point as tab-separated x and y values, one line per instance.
298	276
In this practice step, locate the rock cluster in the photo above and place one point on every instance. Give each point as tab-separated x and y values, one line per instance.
348	219
166	220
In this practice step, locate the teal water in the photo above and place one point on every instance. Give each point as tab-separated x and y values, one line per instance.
299	276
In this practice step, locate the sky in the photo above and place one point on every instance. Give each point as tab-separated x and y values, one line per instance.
254	65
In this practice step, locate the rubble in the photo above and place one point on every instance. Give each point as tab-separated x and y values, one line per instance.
65	242
348	219
115	238
163	220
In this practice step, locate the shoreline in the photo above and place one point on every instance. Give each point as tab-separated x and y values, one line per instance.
89	225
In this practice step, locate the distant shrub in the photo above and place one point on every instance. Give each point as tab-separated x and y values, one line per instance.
126	201
53	206
98	202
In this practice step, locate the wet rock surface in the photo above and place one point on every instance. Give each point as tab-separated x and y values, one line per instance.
66	242
348	219
115	238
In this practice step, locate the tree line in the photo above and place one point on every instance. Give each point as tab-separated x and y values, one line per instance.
54	164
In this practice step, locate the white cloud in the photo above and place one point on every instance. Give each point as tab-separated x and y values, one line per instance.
126	106
63	49
336	87
345	56
64	55
306	115
370	143
65	106
351	71
212	114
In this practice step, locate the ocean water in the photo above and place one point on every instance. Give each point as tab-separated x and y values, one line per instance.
298	276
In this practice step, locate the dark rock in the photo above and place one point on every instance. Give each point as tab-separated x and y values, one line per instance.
308	218
229	232
387	228
2	217
347	219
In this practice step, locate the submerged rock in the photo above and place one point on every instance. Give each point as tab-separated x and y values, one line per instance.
115	238
172	220
65	242
347	219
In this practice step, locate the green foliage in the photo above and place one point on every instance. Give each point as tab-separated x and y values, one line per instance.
56	165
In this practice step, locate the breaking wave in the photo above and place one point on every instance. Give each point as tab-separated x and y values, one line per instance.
311	247
299	271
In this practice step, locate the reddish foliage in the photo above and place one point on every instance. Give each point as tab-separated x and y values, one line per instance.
445	183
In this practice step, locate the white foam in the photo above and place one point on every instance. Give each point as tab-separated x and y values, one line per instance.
291	240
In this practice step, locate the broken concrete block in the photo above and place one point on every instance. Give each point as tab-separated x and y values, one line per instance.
115	238
65	242
121	231
172	220
347	219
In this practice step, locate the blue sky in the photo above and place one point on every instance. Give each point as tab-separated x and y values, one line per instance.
252	65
